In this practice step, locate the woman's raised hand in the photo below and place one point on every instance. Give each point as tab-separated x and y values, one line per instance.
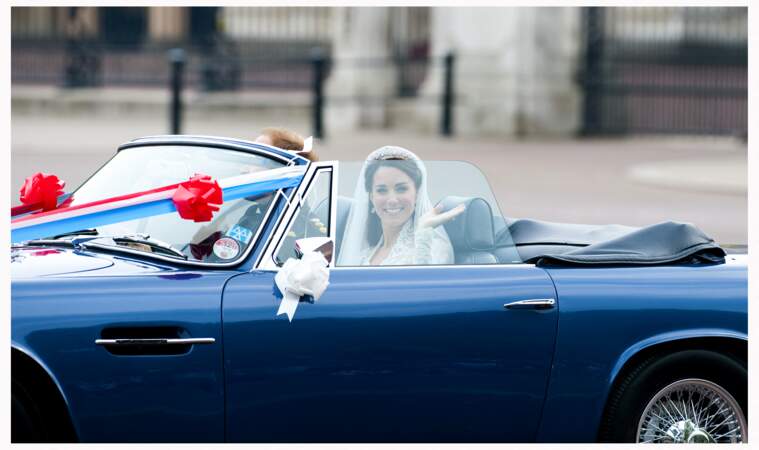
436	216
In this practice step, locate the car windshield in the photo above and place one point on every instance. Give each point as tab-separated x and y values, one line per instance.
223	240
142	168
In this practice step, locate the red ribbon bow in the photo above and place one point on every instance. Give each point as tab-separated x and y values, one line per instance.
41	191
198	198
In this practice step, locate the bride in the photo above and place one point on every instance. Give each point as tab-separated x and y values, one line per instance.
392	221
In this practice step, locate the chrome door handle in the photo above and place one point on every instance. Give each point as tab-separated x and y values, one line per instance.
535	303
159	341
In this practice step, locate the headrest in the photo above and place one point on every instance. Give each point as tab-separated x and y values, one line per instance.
472	229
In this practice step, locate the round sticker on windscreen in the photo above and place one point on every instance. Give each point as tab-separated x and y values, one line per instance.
226	248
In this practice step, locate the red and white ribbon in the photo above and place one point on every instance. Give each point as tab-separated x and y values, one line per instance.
149	203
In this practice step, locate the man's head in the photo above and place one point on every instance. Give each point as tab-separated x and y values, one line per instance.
286	140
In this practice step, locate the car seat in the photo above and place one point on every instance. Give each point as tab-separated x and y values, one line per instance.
471	232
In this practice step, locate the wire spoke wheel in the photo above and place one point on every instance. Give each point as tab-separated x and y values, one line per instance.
692	411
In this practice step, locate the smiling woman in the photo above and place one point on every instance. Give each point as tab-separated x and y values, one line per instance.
391	220
392	187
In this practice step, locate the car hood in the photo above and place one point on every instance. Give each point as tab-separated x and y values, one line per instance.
31	262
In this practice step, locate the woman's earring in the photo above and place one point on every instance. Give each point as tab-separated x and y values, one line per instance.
372	210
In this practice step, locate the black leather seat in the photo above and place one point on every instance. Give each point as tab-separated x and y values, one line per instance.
471	232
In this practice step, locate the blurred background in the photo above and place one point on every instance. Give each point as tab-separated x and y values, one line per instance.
586	115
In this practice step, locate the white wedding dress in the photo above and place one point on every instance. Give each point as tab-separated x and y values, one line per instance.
420	247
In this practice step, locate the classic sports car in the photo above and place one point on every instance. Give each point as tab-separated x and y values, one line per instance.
161	329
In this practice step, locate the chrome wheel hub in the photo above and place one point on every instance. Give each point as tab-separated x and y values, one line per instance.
692	411
687	431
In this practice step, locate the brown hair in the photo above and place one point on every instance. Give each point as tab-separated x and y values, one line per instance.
288	140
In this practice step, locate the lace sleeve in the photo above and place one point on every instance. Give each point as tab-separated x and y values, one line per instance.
431	248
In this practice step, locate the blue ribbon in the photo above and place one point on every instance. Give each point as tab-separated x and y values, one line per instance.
154	208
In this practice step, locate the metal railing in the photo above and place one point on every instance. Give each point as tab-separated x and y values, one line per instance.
319	65
665	70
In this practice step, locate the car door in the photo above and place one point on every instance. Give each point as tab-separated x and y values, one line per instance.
82	329
390	354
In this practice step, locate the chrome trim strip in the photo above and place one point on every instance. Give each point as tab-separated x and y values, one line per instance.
333	212
535	303
436	266
156	341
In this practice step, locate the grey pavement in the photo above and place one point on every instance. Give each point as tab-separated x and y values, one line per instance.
632	181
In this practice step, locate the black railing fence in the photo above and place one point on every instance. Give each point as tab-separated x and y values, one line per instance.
313	73
92	64
665	70
235	47
225	48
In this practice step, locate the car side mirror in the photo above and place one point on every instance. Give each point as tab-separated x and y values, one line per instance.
325	245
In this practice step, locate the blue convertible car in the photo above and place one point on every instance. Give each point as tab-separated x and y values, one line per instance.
160	329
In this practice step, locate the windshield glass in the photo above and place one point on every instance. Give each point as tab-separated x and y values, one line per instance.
225	239
434	212
142	168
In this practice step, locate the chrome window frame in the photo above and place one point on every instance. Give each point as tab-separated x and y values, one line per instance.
266	259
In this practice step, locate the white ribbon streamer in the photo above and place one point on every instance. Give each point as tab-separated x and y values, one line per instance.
308	275
308	145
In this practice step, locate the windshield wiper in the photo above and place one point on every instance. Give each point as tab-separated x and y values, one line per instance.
55	240
155	243
85	232
109	241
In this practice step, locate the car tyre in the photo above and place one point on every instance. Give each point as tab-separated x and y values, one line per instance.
26	418
652	387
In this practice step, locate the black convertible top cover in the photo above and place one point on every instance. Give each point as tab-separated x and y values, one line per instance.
662	243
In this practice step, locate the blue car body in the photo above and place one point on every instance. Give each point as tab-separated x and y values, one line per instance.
387	354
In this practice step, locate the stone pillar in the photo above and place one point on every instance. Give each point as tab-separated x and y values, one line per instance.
362	81
32	22
515	70
167	23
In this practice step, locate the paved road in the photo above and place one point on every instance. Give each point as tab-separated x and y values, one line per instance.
634	181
